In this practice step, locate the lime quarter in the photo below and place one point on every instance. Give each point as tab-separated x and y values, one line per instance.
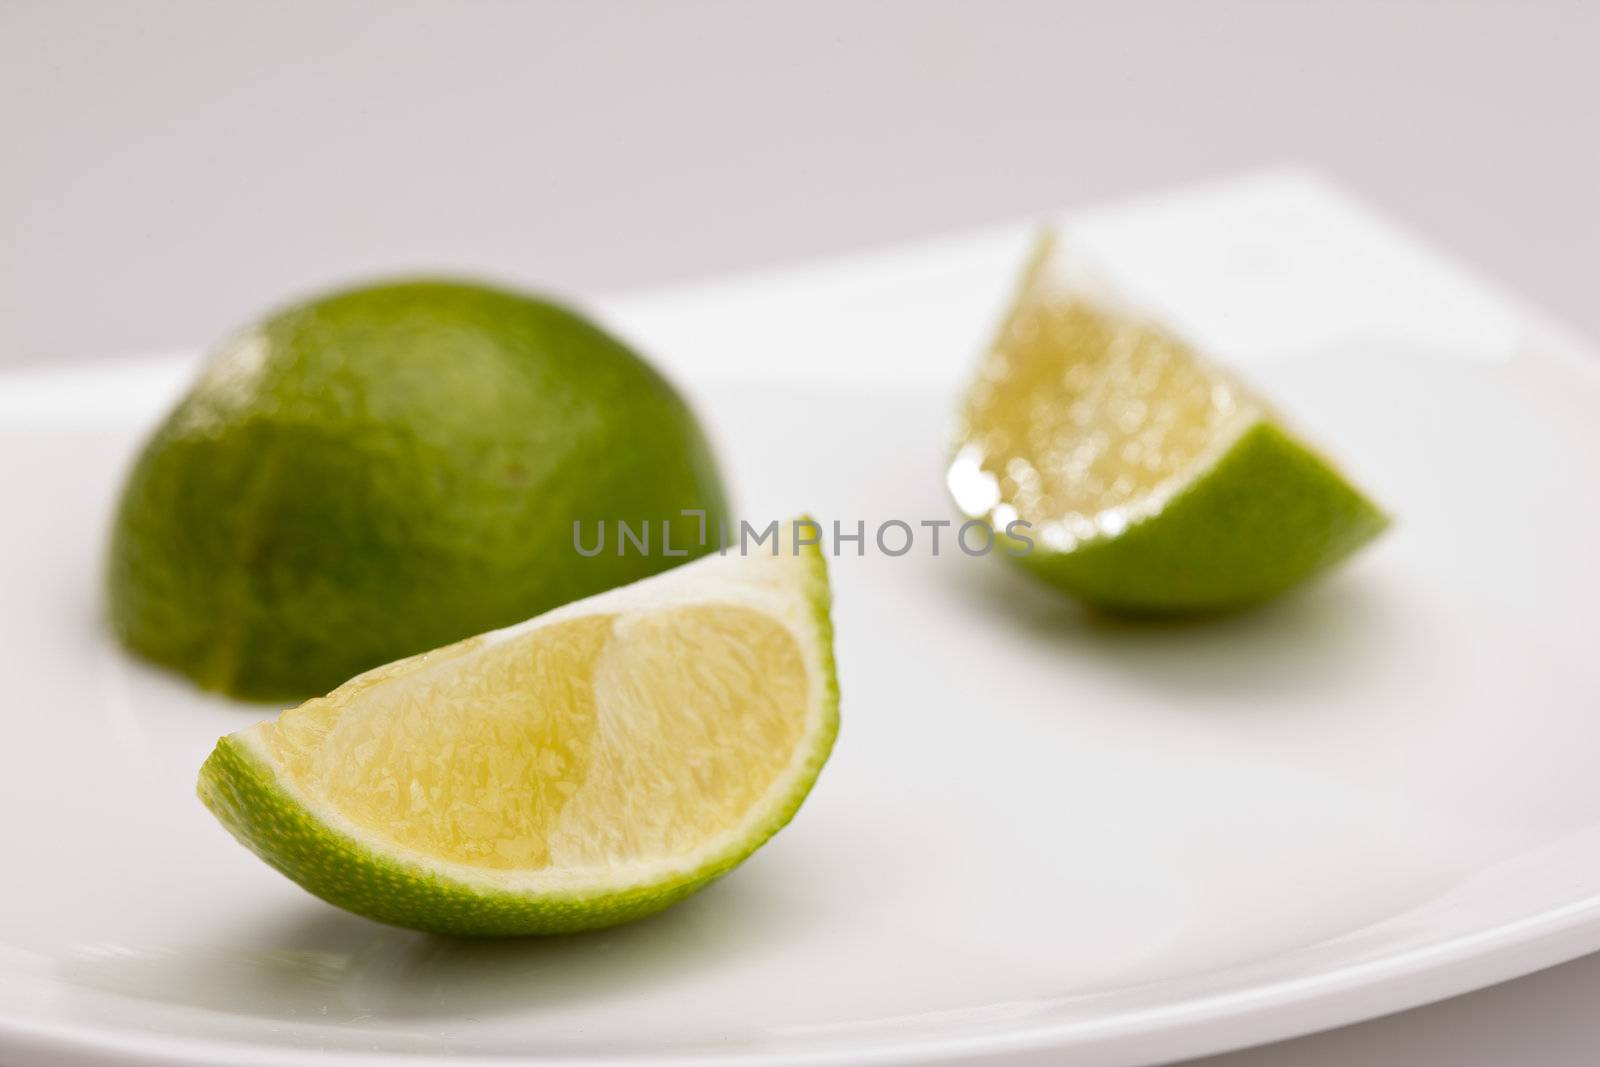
1133	473
589	766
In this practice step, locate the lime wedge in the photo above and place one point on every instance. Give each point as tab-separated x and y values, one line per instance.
1130	472
584	768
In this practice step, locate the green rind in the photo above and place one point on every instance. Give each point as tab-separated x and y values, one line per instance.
390	469
244	793
1270	514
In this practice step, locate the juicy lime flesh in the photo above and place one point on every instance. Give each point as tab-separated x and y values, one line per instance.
581	745
1080	410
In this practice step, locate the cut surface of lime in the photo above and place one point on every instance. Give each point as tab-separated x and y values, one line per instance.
586	767
1133	473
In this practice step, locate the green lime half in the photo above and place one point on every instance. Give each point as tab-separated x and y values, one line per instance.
389	469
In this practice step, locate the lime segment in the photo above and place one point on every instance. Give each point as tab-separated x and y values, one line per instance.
1134	474
584	768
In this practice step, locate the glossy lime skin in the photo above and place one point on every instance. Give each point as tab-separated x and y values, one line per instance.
387	470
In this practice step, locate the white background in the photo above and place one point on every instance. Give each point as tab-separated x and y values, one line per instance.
167	170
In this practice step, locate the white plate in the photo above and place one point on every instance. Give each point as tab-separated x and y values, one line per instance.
1038	833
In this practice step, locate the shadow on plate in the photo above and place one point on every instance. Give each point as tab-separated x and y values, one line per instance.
1309	639
318	964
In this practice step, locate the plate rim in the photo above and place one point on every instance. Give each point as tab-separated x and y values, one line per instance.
1184	1028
